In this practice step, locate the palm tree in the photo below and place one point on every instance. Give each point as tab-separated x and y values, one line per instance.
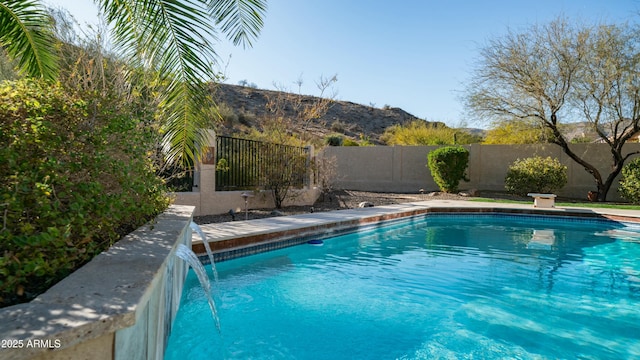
170	37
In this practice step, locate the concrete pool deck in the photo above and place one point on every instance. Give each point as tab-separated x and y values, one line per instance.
240	238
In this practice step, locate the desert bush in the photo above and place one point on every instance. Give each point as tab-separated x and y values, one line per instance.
227	115
349	142
535	174
338	126
419	132
516	131
246	118
365	141
326	170
448	165
334	140
73	179
630	181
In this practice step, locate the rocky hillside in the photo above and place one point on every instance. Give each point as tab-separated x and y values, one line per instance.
246	107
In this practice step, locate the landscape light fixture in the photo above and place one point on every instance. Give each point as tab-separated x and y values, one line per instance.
245	195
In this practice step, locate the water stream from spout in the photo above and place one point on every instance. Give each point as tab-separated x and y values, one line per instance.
195	227
190	257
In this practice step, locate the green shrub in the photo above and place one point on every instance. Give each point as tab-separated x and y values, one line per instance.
448	165
334	140
420	132
227	115
630	181
535	174
349	142
72	181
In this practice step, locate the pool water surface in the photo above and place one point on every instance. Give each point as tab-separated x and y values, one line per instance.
434	287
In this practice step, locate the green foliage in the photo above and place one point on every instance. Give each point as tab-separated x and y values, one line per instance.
448	165
177	178
581	140
275	130
25	33
516	132
73	179
7	67
172	38
536	174
630	181
341	140
420	132
222	165
227	115
365	141
349	142
334	140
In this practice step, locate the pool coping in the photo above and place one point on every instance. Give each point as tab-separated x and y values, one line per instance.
241	238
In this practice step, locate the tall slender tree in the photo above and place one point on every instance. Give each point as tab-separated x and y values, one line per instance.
172	37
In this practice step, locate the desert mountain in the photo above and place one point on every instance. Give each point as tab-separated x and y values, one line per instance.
246	107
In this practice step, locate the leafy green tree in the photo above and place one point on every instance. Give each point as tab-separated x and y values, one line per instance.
515	132
172	38
560	73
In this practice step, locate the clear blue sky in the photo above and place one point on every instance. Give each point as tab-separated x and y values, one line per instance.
412	54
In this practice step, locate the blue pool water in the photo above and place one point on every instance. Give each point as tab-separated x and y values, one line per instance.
440	287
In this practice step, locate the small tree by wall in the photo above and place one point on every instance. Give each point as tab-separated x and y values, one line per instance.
326	174
448	165
282	172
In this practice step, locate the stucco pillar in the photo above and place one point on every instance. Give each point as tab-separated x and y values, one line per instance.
207	166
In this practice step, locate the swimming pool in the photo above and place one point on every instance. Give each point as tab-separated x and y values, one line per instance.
439	286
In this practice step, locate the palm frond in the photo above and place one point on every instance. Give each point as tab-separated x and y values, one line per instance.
185	123
25	33
240	20
174	37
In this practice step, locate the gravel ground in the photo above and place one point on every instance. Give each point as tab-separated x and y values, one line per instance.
347	199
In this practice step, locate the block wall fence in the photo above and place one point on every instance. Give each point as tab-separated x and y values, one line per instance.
404	168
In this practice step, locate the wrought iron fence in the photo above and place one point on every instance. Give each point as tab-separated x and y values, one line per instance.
243	164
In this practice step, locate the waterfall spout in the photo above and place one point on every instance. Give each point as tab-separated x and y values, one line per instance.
190	257
195	227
